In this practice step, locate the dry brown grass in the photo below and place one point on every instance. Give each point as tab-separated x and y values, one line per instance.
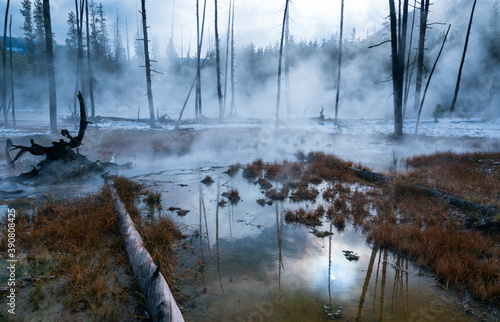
161	235
253	170
462	260
470	176
274	194
302	216
409	220
428	230
232	195
303	192
329	167
264	184
233	169
78	242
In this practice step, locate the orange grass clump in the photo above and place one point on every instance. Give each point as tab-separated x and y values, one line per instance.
309	218
77	241
470	176
463	260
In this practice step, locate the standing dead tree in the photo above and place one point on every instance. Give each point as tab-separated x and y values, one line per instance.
90	75
429	79
424	11
148	64
50	67
398	46
409	73
337	98
217	62
4	66
227	54
457	87
199	43
278	95
12	94
288	102
233	105
79	31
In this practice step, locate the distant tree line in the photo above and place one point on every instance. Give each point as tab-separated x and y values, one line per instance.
107	44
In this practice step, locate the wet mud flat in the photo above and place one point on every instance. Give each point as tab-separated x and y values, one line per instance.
257	264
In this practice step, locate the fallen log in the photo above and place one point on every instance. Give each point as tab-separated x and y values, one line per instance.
153	285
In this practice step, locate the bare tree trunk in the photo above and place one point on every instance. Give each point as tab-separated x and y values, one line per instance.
398	45
12	96
50	67
80	48
89	62
227	55
128	44
197	100
217	62
424	11
79	74
429	80
148	65
199	43
278	96
457	88
287	64
408	74
233	105
4	66
341	40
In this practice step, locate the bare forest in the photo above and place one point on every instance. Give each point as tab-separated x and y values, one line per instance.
262	160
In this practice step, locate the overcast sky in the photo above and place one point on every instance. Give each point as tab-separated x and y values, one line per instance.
256	21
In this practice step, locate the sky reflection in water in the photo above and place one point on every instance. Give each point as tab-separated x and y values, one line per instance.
261	268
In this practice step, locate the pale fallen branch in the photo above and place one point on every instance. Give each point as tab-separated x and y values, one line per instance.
153	285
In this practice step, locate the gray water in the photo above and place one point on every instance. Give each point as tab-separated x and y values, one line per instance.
260	268
257	266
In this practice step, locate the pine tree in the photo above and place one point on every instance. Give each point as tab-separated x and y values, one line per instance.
71	35
99	38
119	49
29	35
39	28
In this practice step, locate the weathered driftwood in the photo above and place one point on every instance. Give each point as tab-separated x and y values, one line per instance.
153	285
457	202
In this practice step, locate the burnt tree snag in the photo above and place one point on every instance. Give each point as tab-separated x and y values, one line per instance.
459	77
398	46
50	66
61	151
424	12
339	72
217	63
4	67
429	79
278	95
148	65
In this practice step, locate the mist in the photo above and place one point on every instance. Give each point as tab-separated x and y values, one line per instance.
365	88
